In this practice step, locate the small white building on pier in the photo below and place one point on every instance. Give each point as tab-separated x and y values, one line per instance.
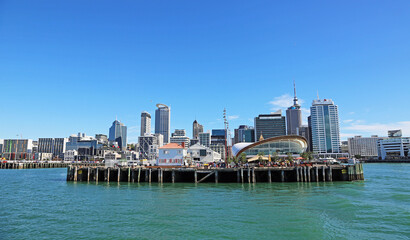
171	154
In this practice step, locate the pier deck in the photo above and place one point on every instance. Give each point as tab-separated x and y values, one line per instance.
28	165
315	173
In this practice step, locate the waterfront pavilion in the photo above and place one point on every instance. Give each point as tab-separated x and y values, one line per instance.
281	145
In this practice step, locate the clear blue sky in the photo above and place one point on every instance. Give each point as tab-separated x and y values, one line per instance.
73	66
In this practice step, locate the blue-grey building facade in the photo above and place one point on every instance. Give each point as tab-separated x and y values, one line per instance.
118	133
163	121
244	134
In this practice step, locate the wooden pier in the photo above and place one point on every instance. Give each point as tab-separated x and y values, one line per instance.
316	173
23	165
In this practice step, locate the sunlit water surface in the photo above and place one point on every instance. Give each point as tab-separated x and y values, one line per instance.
40	204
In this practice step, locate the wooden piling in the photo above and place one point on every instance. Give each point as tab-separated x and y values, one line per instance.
330	174
196	176
216	176
242	175
238	176
75	174
159	174
68	172
269	176
139	174
96	175
173	176
149	177
324	174
297	174
108	174
88	174
304	173
133	175
253	176
249	175
129	174
282	176
361	172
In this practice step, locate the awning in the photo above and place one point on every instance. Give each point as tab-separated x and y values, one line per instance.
258	158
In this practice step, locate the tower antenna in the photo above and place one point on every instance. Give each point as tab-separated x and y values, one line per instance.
295	99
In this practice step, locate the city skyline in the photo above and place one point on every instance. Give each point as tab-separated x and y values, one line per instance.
242	57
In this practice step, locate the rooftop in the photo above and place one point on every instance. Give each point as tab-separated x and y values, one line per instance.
171	146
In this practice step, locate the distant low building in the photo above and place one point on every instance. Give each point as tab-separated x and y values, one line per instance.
102	138
179	137
43	156
363	146
55	146
18	149
202	154
70	155
219	148
397	147
87	147
171	154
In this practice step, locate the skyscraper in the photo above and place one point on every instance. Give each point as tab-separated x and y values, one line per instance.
244	134
145	123
270	125
196	129
325	126
118	133
294	115
205	139
163	121
56	146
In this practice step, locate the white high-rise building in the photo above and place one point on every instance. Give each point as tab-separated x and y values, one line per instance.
145	123
363	146
325	126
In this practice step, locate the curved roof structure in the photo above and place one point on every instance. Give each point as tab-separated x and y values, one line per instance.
283	144
161	105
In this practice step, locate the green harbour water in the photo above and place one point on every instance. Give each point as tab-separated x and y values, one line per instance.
40	204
